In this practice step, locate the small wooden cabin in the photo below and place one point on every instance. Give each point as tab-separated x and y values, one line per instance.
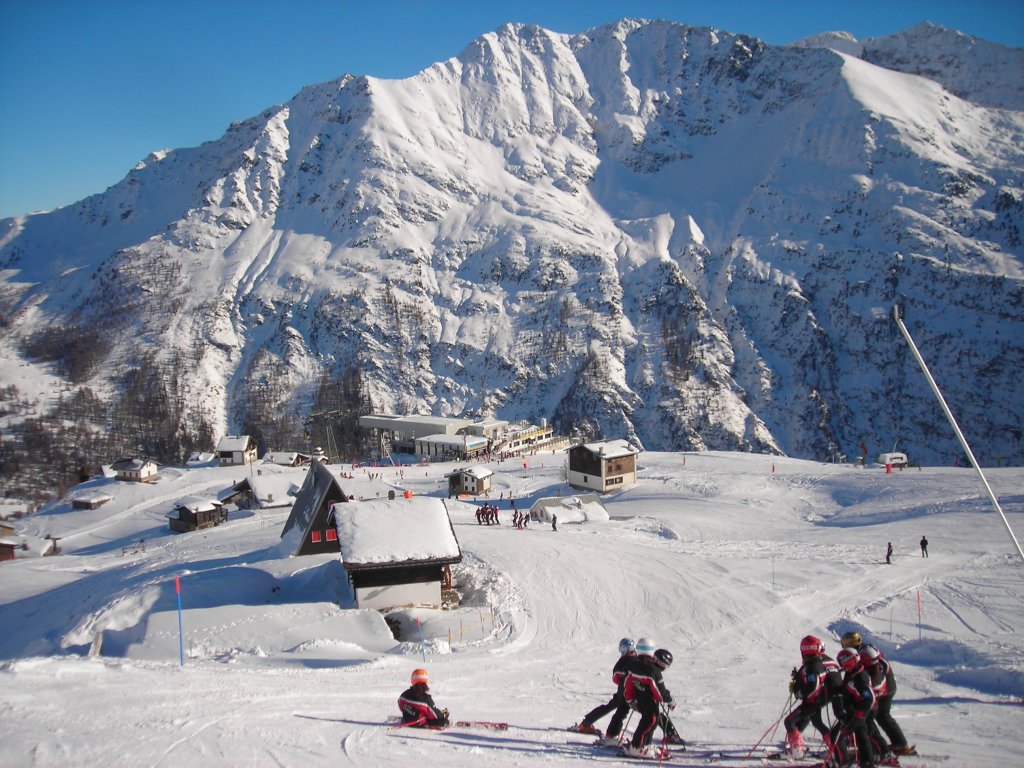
397	552
193	512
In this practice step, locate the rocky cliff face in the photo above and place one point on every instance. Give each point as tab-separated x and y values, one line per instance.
673	234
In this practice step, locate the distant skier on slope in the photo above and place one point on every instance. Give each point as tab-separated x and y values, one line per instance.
617	703
417	705
645	691
888	554
817	681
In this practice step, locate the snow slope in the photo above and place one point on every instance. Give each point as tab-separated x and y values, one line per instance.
726	559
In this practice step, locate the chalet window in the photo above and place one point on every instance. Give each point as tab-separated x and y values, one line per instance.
316	537
332	535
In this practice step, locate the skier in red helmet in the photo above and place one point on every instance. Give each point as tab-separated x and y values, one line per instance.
817	681
417	705
859	704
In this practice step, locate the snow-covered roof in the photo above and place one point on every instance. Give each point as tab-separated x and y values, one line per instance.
580	508
92	497
131	464
402	531
611	449
467	441
478	472
284	458
234	443
409	424
201	457
197	504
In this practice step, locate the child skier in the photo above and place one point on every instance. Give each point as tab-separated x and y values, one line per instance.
817	681
417	705
858	703
645	691
617	703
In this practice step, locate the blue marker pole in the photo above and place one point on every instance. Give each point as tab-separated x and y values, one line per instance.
181	635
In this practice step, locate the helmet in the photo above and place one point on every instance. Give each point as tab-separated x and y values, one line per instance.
851	640
419	676
811	646
848	659
626	645
645	646
870	655
663	658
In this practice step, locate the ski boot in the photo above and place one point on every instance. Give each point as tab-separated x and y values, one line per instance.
586	728
674	739
642	753
794	747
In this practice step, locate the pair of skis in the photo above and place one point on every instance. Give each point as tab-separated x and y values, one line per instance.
395	723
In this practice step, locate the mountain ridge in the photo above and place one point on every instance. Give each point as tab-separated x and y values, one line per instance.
672	234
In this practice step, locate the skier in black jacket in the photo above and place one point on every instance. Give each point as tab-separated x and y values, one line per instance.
859	703
645	691
617	703
817	682
884	682
417	705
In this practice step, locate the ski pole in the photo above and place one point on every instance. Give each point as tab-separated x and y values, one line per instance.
664	732
419	721
622	733
771	727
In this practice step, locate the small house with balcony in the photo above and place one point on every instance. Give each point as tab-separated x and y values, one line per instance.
604	466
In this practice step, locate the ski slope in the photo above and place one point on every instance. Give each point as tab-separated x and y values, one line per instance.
725	559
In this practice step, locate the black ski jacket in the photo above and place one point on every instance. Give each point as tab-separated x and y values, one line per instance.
621	669
644	684
417	704
818	680
858	693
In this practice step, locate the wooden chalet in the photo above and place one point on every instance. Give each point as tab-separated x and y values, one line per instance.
397	552
603	466
311	521
471	480
194	512
90	500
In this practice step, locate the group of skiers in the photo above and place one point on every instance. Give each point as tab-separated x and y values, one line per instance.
641	689
487	515
859	684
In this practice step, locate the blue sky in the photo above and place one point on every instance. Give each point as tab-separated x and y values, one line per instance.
88	88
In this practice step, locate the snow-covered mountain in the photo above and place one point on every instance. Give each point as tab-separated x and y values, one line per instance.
673	234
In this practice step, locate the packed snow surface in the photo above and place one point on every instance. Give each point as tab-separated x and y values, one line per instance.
728	560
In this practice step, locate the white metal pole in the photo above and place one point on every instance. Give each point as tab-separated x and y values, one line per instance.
952	422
